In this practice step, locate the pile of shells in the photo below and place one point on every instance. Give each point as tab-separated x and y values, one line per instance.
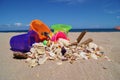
63	50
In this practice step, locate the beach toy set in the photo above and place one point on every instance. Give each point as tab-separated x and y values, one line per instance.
38	32
40	44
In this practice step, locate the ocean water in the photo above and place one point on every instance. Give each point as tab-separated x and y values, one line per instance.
72	30
96	30
25	29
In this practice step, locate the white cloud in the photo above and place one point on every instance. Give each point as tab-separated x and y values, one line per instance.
18	24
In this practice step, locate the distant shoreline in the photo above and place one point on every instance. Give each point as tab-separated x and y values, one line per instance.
73	30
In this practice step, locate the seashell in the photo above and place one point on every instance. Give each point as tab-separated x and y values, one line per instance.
90	50
31	55
42	60
40	44
92	45
51	46
83	55
69	51
32	62
77	55
83	46
61	44
73	47
64	42
73	57
58	51
32	50
98	53
47	49
59	57
35	44
51	54
68	56
41	50
51	58
28	53
79	48
94	56
28	60
64	58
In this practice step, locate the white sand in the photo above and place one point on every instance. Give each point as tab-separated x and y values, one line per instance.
12	69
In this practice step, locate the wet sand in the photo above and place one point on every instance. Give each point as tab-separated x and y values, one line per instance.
13	69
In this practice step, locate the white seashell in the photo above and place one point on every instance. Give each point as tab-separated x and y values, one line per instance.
83	55
61	44
42	60
40	44
93	45
94	56
36	55
31	62
98	53
51	46
57	51
90	49
41	50
35	44
28	53
32	50
28	60
64	41
31	55
77	56
51	54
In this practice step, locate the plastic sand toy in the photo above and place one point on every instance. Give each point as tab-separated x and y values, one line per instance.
59	35
23	42
61	27
40	28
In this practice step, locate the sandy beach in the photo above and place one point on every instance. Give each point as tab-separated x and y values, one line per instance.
101	69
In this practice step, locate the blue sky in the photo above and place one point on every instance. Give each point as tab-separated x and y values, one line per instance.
77	13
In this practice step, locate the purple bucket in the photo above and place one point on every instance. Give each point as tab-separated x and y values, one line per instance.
23	42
